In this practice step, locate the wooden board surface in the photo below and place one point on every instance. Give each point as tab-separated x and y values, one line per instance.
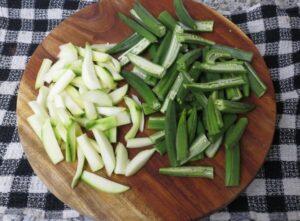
152	196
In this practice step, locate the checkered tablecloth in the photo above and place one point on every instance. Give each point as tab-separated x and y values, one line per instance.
273	195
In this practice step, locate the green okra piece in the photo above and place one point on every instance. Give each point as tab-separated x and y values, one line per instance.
200	127
137	27
173	50
158	136
235	132
246	86
205	26
192	125
161	147
163	48
228	120
216	85
147	109
144	75
187	59
212	55
198	146
143	89
211	118
200	156
227	106
149	21
172	93
167	19
153	51
182	92
156	123
212	149
233	93
222	67
182	149
126	44
256	84
170	133
235	52
162	88
183	14
195	72
232	166
193	39
184	48
190	171
217	112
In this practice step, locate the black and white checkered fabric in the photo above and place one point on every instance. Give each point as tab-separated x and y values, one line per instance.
273	195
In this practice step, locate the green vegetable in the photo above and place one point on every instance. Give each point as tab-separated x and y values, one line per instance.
167	19
216	85
153	51
233	106
187	59
233	93
217	112
136	49
71	145
228	120
162	88
195	72
102	123
232	168
102	184
137	27
44	68
200	127
143	90
211	118
193	39
126	43
170	133
192	125
190	171
158	136
235	132
156	123
246	86
205	26
135	117
147	109
163	48
173	49
200	156
182	138
93	158
151	68
182	91
183	14
235	52
198	146
212	149
50	143
221	67
172	93
145	76
150	22
256	84
211	55
161	147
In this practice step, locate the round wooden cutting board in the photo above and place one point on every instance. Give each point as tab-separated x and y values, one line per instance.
152	196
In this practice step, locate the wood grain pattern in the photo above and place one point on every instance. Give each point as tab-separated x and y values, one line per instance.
152	196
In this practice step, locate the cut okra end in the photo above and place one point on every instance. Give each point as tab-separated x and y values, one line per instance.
189	171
